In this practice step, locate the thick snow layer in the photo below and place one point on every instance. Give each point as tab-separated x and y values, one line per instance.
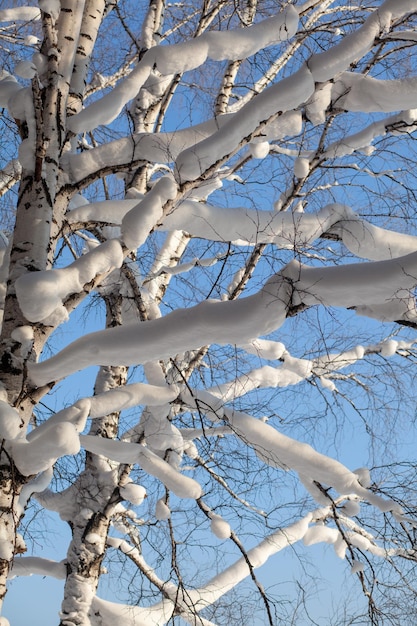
259	150
363	543
355	92
288	124
25	69
284	96
76	415
131	395
184	329
285	230
110	211
94	538
105	110
340	547
403	122
402	35
9	87
320	534
160	434
26	150
279	450
182	486
220	45
377	289
317	105
20	14
242	43
23	335
41	294
185	267
372	242
389	347
354	46
334	361
190	449
351	508
51	7
162	510
37	455
219	526
301	167
265	348
31	40
300	367
364	476
182	57
112	613
161	148
204	401
123	452
291	372
11	426
156	147
288	230
29	565
62	502
133	493
37	485
140	220
7	540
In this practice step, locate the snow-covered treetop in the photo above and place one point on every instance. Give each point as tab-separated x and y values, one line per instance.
234	184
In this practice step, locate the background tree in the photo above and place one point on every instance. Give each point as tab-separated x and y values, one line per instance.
231	184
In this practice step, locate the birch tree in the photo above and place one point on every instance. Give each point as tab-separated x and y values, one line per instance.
232	185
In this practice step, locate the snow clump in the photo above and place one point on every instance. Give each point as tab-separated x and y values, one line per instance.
219	526
135	494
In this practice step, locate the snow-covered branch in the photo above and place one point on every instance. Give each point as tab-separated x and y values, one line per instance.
381	289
